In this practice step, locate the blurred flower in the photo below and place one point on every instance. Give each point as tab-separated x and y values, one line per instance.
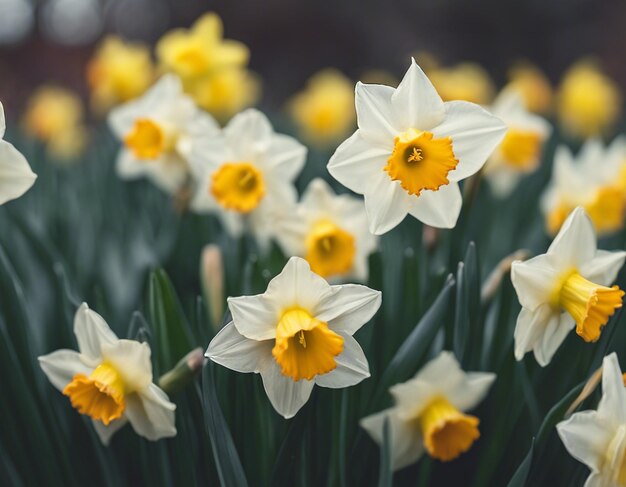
16	176
428	412
588	101
520	151
297	334
212	278
465	81
532	85
330	232
410	151
110	380
594	180
156	130
598	438
55	116
564	287
118	72
324	111
245	173
378	77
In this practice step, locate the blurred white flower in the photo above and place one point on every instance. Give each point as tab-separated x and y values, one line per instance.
565	286
297	334
410	151
428	412
156	130
329	231
245	174
16	176
110	380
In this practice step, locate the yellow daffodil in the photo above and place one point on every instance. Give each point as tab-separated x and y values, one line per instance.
565	287
110	380
429	412
465	81
16	176
118	72
324	110
411	150
330	232
297	334
598	438
588	101
533	86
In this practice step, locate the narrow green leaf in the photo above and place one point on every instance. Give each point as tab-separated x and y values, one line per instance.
385	475
521	474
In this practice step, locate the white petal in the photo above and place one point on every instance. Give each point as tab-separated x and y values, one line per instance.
472	390
557	329
356	163
91	333
416	103
248	134
586	437
613	402
16	176
151	414
386	205
475	134
132	360
352	366
534	280
255	317
529	328
61	366
169	174
127	167
318	194
105	432
348	307
575	244
375	115
440	208
286	156
598	480
286	395
604	267
406	441
503	181
3	124
236	352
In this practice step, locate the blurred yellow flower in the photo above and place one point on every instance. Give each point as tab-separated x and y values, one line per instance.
532	85
588	101
118	72
54	115
465	81
324	110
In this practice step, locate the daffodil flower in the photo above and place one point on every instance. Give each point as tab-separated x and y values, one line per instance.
245	174
519	152
110	380
16	176
297	334
564	287
429	412
598	438
410	151
330	232
156	130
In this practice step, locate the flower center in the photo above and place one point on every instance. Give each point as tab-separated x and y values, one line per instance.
147	140
446	431
100	396
305	347
589	304
520	149
238	186
420	161
330	249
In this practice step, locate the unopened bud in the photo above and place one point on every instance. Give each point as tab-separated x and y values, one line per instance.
212	277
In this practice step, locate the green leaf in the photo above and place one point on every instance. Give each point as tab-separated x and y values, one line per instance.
521	474
385	474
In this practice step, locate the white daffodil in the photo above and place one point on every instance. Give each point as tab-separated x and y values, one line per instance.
564	287
595	179
246	173
16	176
410	151
297	334
519	152
429	412
329	231
598	438
156	130
110	380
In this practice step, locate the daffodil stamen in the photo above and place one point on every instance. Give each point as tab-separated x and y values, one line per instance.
99	396
238	186
447	432
419	161
147	139
330	249
305	346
